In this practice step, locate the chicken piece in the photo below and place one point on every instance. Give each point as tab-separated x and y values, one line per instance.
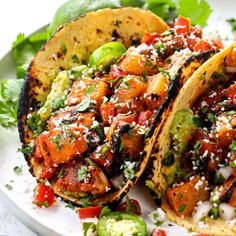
70	117
184	198
78	180
131	87
140	60
61	145
85	87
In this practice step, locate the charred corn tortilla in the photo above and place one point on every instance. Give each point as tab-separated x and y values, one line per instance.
81	37
190	92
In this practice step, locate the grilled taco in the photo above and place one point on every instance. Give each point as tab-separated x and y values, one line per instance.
194	169
92	94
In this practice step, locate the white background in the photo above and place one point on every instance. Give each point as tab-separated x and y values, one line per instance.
27	16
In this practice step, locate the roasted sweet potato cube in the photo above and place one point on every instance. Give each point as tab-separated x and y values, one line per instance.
184	198
131	87
81	88
59	146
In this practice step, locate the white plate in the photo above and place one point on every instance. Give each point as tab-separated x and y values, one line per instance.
59	220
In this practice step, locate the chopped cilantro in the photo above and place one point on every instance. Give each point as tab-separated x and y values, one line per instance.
158	220
105	150
61	173
233	146
84	200
70	205
148	63
57	140
180	196
75	59
197	147
17	170
182	207
214	212
116	23
9	187
169	159
63	49
28	150
160	47
198	121
44	203
91	89
35	124
82	173
218	179
211	118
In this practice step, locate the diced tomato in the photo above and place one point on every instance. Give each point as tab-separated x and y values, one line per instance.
47	172
126	118
44	196
202	46
115	73
182	25
143	117
130	205
230	62
149	38
230	92
107	112
159	232
191	41
89	212
103	156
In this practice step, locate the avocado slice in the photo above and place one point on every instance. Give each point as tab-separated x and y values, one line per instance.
58	93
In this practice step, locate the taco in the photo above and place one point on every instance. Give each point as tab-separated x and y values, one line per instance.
88	107
194	168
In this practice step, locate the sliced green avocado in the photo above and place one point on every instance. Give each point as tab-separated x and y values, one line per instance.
181	129
58	93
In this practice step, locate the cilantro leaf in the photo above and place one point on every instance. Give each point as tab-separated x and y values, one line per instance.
17	170
199	11
10	90
25	48
162	8
232	22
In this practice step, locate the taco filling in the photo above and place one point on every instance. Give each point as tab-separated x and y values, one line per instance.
200	167
90	130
